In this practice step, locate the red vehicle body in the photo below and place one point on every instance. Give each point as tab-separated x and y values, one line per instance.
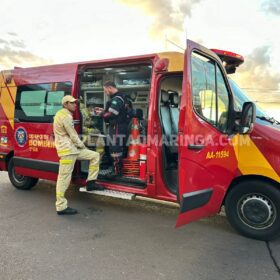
219	158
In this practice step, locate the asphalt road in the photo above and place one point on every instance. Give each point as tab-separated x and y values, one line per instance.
116	239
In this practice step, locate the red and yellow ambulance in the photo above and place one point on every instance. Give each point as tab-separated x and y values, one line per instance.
205	144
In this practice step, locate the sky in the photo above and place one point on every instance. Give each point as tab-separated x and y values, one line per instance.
34	32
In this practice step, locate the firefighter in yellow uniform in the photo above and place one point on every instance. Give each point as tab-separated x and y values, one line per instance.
70	148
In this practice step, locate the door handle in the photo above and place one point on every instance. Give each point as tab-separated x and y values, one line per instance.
195	147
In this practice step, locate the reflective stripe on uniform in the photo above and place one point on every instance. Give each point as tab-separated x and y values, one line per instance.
59	194
93	167
63	152
115	112
66	161
119	98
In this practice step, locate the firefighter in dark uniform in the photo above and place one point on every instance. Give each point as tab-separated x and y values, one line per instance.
115	114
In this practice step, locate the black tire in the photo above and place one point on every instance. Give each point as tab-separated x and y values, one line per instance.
253	209
19	181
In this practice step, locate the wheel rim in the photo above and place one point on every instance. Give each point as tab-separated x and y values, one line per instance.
256	211
17	177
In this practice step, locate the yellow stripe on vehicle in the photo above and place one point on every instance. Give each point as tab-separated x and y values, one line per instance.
7	103
7	79
13	92
176	60
251	161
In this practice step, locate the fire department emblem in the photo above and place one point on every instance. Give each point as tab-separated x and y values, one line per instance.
21	136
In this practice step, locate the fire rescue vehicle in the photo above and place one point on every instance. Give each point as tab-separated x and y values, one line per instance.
203	143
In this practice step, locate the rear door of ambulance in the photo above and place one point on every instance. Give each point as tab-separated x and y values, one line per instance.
207	161
36	103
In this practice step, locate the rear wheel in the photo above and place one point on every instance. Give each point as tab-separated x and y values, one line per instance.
19	181
253	209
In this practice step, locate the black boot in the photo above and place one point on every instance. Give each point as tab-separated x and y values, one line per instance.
93	186
67	211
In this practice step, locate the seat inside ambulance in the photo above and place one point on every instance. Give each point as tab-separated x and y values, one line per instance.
169	110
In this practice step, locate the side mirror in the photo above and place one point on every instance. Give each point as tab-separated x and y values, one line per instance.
248	117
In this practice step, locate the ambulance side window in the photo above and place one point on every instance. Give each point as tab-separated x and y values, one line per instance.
40	102
54	102
33	102
209	92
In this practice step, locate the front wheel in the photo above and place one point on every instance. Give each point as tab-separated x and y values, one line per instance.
19	181
253	209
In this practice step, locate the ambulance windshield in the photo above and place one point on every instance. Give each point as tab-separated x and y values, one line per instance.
240	97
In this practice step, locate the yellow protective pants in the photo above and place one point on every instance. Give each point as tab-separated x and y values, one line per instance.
66	166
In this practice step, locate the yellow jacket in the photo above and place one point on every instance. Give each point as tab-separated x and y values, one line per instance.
67	141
